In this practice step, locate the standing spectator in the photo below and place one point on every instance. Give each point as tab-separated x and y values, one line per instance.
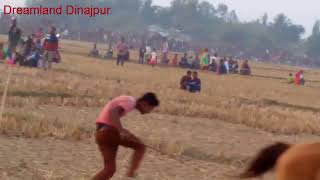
142	52
14	38
204	61
122	52
50	46
184	61
148	53
221	68
165	51
302	81
299	80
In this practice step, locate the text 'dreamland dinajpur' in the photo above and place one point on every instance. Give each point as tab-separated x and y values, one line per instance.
90	11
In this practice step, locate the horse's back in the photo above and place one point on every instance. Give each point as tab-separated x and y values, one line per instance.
300	162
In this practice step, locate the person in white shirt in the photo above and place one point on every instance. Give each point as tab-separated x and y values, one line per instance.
226	64
147	54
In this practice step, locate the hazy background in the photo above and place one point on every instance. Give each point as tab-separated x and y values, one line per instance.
304	12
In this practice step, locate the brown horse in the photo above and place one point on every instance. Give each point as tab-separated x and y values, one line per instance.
291	162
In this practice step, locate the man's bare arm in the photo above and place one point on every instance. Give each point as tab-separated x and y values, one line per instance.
115	115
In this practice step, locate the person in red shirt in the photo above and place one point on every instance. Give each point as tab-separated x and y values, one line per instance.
122	52
50	46
185	80
110	133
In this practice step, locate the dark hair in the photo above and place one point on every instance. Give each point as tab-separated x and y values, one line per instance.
290	74
265	160
189	72
195	72
150	98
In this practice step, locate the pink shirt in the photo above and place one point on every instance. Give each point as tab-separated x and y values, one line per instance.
128	103
122	48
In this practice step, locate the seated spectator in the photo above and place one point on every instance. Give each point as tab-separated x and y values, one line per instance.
94	52
197	62
235	67
184	61
165	59
245	68
290	79
109	54
175	60
34	57
195	84
185	80
213	64
221	68
191	61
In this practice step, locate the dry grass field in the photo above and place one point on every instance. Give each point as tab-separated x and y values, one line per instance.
49	120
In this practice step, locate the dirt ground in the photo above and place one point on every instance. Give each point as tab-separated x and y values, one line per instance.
216	153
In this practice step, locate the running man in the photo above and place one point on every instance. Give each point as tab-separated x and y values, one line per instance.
110	134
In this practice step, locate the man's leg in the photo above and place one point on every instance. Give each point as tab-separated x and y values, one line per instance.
107	141
140	60
139	151
45	60
109	158
118	60
51	55
122	60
